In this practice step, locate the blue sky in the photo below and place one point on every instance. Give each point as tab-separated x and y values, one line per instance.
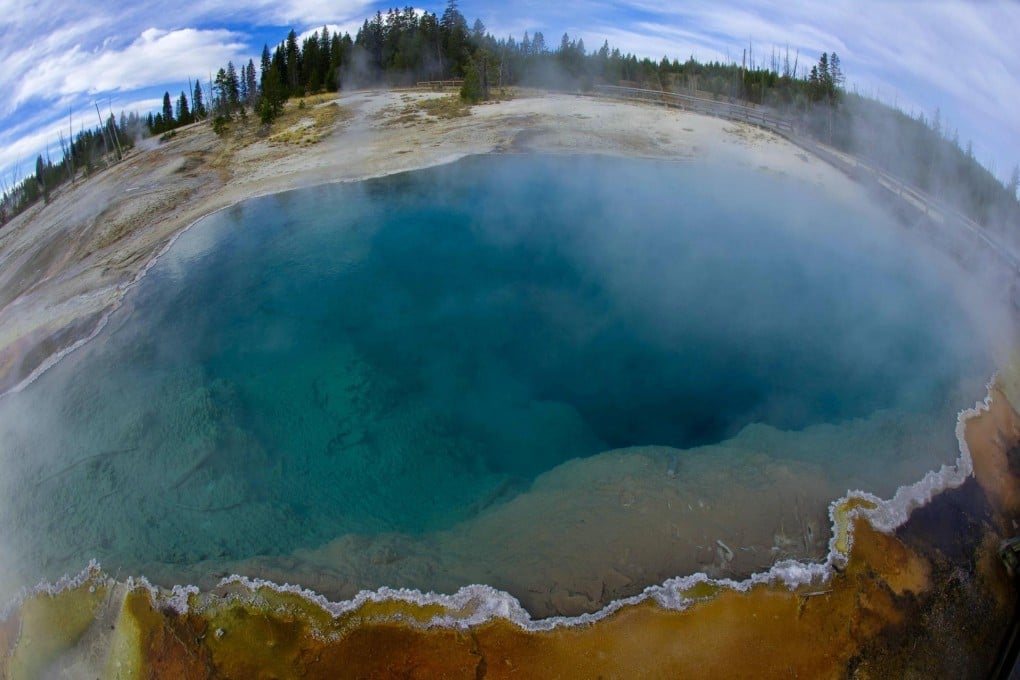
61	55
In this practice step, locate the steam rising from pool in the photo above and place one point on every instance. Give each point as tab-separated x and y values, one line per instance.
378	379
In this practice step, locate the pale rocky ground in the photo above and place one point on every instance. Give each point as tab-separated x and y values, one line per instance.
66	264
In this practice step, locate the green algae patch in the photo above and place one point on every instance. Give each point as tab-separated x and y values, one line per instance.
396	610
241	609
52	625
298	605
843	517
245	640
701	590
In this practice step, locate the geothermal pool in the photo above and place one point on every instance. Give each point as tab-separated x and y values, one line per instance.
567	377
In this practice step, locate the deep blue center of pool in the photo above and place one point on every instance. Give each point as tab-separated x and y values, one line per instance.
395	354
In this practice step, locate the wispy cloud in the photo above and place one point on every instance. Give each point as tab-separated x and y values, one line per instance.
17	153
155	56
298	13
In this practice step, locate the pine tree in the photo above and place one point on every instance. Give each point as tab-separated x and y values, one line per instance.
243	83
251	84
478	31
454	32
471	90
279	63
168	112
325	45
183	112
233	85
1014	183
198	110
538	43
273	95
265	63
311	77
836	72
335	64
293	56
40	178
221	96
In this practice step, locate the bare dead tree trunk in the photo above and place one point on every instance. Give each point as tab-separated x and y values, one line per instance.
66	151
113	132
5	196
70	139
743	67
485	78
102	128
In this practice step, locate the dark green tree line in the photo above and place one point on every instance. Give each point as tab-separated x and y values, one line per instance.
89	151
175	113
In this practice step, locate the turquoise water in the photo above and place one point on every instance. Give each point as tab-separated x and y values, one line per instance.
400	354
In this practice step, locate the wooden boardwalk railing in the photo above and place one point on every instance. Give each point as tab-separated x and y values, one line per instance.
756	115
439	83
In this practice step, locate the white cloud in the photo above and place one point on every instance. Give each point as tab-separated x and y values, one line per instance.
350	27
305	35
654	43
144	105
156	56
42	15
18	63
275	12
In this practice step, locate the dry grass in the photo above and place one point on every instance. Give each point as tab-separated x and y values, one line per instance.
393	116
417	110
503	94
444	107
321	98
307	120
430	109
304	122
405	119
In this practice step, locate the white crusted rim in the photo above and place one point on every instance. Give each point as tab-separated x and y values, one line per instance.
475	604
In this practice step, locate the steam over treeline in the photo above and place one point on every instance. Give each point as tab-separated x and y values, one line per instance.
406	46
925	153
